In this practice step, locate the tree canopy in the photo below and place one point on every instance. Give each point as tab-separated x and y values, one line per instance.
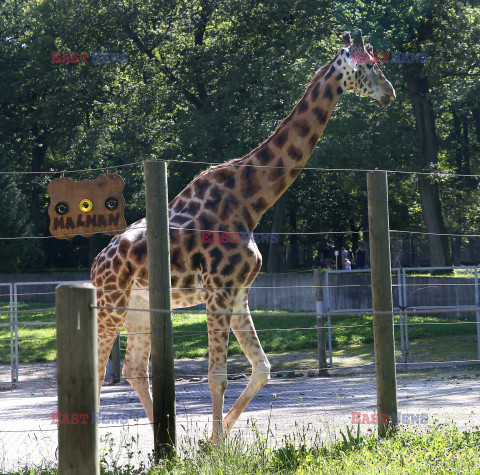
207	81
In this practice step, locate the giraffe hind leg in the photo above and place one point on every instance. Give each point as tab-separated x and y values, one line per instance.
135	368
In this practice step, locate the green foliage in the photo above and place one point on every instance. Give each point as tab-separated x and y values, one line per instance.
442	448
208	80
15	223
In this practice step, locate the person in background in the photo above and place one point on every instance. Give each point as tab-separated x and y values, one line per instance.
351	257
361	256
327	255
323	258
396	256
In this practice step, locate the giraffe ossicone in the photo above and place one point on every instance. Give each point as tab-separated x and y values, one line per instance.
228	198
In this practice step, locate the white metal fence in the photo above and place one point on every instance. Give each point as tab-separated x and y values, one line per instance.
403	299
335	285
15	324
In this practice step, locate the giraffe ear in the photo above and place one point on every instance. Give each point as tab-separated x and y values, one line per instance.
347	40
369	49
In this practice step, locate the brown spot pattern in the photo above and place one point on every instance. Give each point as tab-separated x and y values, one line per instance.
329	74
302	127
303	107
265	155
328	93
232	262
249	182
278	171
313	141
321	114
295	153
260	205
280	186
140	252
281	138
247	217
200	188
316	91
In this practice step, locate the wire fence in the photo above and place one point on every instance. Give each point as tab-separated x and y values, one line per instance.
343	324
107	168
335	307
302	399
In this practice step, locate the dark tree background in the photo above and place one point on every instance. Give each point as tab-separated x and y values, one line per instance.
207	80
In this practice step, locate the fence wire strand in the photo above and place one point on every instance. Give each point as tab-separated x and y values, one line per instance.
238	163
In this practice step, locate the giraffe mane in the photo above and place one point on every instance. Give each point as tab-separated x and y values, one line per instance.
236	161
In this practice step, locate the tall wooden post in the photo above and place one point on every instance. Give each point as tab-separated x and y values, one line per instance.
320	311
382	299
77	379
158	245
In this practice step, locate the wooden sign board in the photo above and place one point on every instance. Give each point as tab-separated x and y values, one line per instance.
86	207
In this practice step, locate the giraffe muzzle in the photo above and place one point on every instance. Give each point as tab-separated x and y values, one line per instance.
386	100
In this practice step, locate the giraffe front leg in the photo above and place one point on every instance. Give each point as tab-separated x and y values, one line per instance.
218	330
244	330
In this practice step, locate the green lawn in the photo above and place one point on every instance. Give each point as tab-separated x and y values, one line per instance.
351	345
37	343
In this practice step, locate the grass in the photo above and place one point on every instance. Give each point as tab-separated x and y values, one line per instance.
351	344
38	342
439	449
467	273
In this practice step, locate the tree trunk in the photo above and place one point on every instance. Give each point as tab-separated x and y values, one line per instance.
364	212
465	147
456	133
273	255
439	246
294	258
476	120
427	156
39	151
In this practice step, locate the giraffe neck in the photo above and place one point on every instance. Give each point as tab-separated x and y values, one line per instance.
287	150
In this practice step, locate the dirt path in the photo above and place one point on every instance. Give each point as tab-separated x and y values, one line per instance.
312	406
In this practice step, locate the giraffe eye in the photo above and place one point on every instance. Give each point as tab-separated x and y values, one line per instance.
86	206
111	203
61	208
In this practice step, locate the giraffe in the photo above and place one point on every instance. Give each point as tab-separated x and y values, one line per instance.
230	198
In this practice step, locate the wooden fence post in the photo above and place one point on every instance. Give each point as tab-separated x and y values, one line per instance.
320	311
158	245
384	341
77	379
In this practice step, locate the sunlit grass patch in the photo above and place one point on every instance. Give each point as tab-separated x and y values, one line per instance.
279	333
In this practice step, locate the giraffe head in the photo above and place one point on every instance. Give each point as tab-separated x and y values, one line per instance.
364	78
